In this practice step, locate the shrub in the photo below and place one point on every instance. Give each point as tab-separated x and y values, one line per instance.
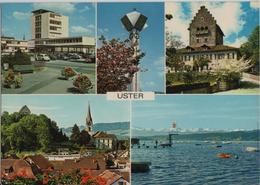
9	78
82	83
18	58
18	80
68	72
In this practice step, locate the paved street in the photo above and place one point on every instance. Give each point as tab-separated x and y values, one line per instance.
48	81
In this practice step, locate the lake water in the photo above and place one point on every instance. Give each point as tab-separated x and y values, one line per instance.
187	163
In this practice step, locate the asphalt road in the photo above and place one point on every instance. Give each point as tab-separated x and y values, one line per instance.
49	81
78	66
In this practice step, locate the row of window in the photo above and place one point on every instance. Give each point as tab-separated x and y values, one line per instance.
55	22
200	40
37	35
61	41
38	18
55	28
208	56
54	15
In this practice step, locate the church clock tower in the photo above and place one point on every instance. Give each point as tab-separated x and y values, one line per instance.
89	121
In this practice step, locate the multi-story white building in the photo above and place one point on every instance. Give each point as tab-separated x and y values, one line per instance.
50	33
11	45
48	24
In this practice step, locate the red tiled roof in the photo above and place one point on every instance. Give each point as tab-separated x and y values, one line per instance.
110	176
19	166
40	161
86	163
101	134
205	48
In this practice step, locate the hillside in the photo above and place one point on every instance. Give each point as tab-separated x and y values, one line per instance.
120	129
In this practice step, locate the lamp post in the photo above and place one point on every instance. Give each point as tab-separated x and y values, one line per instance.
134	22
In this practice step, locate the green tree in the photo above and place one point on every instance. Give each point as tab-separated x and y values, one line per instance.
250	49
75	135
84	138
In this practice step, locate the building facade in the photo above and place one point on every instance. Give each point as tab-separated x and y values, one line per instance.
48	24
12	45
206	41
104	140
50	34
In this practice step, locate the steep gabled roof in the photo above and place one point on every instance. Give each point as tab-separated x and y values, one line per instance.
111	177
25	110
205	48
101	134
89	121
40	161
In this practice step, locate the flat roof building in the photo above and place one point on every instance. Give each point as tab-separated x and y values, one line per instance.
50	34
11	45
48	24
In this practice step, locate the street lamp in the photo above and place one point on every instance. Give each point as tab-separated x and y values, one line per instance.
134	22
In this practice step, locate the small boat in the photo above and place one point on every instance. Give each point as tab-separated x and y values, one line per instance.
218	146
197	144
226	142
224	155
252	149
140	167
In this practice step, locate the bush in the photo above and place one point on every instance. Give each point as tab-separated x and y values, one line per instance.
82	83
68	72
18	80
18	58
11	78
190	77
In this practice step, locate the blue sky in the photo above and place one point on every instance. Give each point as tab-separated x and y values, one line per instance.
151	38
197	111
16	18
67	110
236	19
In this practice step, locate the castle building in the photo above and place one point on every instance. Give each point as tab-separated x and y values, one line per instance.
50	33
206	40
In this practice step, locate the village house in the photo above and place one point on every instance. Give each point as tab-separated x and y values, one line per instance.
39	161
14	167
101	139
104	140
206	41
113	178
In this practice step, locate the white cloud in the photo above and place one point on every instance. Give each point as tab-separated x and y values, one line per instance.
57	7
21	15
80	29
238	42
91	26
102	31
254	4
231	23
84	9
178	25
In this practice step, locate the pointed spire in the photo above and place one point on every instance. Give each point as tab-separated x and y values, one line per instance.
23	36
89	121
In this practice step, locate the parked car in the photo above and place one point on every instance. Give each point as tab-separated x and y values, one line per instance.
43	57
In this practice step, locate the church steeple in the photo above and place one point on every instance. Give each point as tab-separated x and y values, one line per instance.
89	121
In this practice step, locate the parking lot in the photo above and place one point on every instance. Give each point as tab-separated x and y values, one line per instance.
47	79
